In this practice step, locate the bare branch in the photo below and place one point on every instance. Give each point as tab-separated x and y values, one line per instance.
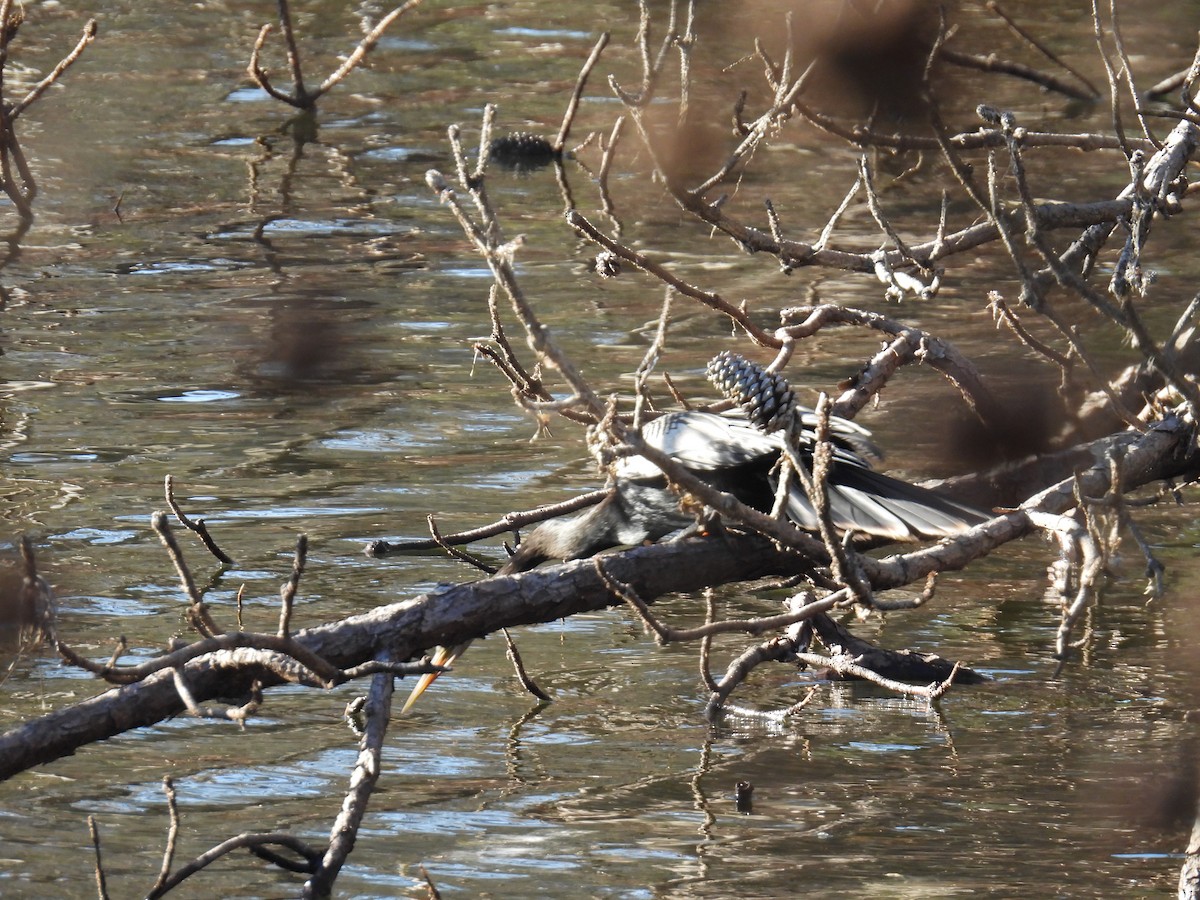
995	7
287	593
514	657
198	614
667	634
509	522
713	301
198	526
454	552
365	46
172	834
94	831
89	34
377	713
301	97
560	140
246	840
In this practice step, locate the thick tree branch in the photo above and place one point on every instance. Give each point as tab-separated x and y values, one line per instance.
460	613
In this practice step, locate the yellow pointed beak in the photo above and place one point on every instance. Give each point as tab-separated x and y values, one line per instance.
443	656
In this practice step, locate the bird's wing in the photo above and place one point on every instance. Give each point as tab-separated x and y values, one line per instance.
707	442
702	442
844	435
860	499
871	503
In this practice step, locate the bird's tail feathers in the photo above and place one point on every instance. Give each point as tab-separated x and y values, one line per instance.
878	505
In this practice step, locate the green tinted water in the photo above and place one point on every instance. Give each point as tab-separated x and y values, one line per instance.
288	334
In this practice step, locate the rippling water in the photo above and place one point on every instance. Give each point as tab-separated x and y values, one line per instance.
287	332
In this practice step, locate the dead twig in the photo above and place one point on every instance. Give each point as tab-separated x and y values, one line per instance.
301	97
779	649
16	177
434	893
847	666
710	612
172	834
486	236
247	840
268	651
509	522
560	140
94	832
237	714
90	30
344	833
714	301
198	614
468	558
514	657
842	564
910	344
1041	48
666	634
991	63
287	593
198	526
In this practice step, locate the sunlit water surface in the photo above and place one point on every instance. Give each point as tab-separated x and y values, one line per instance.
288	334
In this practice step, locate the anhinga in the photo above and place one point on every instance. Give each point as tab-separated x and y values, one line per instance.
738	452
